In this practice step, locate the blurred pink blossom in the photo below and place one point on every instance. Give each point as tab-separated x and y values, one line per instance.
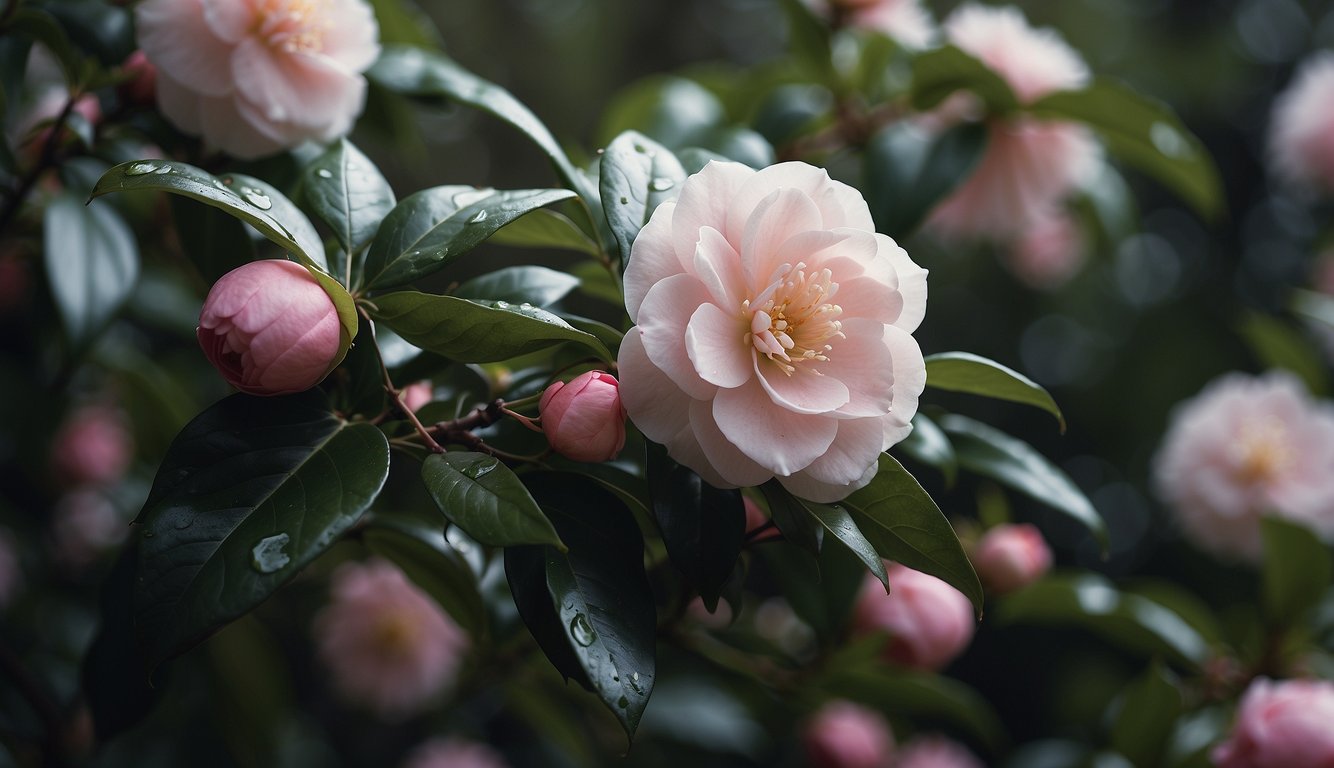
92	447
1301	131
257	76
11	572
1010	557
906	21
1048	252
386	642
453	753
929	622
584	419
742	361
1245	447
417	394
140	82
842	734
1029	165
269	328
85	524
1286	724
936	752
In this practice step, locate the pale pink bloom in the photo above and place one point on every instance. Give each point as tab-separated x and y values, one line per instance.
269	328
1245	447
35	127
388	645
85	524
1029	165
11	573
936	752
847	735
1301	132
904	20
454	753
584	419
1010	557
1048	252
92	447
928	621
417	394
773	334
257	76
1284	724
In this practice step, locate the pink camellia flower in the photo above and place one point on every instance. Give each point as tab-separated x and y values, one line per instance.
387	643
773	334
929	622
140	83
1048	253
92	447
1281	725
1301	132
584	420
936	752
1245	447
1010	557
257	76
904	20
847	735
453	753
11	574
269	328
1029	165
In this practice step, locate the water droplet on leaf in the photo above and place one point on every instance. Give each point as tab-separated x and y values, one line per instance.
625	201
502	305
268	555
324	173
139	169
662	184
480	469
622	702
164	170
477	218
258	199
582	632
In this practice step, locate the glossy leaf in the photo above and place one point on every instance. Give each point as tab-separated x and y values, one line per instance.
637	175
250	492
920	696
473	332
434	227
673	110
349	194
808	38
928	444
39	25
1148	710
1133	622
702	526
481	495
538	286
838	521
906	526
116	685
422	553
821	589
941	72
1014	463
789	514
216	241
546	229
976	375
92	263
1297	571
1146	134
1276	344
907	170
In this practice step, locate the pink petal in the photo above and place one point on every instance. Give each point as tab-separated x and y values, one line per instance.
912	284
229	20
735	467
715	342
301	90
352	39
838	204
177	39
816	246
864	297
805	390
654	403
781	215
718	265
779	439
663	317
855	448
864	362
179	104
804	486
227	126
909	381
652	258
705	200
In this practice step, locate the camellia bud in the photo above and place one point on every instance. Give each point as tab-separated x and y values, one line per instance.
140	86
93	447
584	419
928	621
847	735
1010	557
269	328
1283	723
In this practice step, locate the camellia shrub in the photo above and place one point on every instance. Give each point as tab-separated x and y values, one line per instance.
698	447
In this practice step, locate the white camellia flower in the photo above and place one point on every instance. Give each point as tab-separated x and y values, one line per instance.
773	331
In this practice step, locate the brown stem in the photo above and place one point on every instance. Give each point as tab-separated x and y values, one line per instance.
393	391
45	160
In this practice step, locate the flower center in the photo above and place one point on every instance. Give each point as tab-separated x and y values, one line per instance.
1262	453
395	634
292	26
792	318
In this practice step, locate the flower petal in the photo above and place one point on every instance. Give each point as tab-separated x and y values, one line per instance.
705	198
652	258
664	319
228	19
785	213
909	381
815	247
177	39
912	284
654	403
228	128
715	342
779	439
297	92
352	40
733	466
838	204
864	297
803	391
855	448
179	104
863	361
718	266
804	486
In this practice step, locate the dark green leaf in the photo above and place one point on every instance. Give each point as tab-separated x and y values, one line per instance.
906	526
820	589
702	526
939	73
1149	708
673	110
538	286
808	38
472	332
403	21
1276	344
432	228
1014	463
1133	622
526	572
835	519
920	696
790	515
596	281
92	263
37	24
907	170
1146	134
482	496
928	444
216	242
348	193
115	682
250	492
422	552
637	175
546	229
1297	571
966	372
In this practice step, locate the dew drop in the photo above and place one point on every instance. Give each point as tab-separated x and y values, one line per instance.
625	201
661	184
622	702
324	173
268	555
502	305
477	218
258	199
140	169
525	305
582	632
164	170
480	469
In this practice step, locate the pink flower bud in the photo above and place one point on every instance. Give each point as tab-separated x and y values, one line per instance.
584	419
140	86
93	447
269	328
846	735
936	752
1281	725
1010	557
929	622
